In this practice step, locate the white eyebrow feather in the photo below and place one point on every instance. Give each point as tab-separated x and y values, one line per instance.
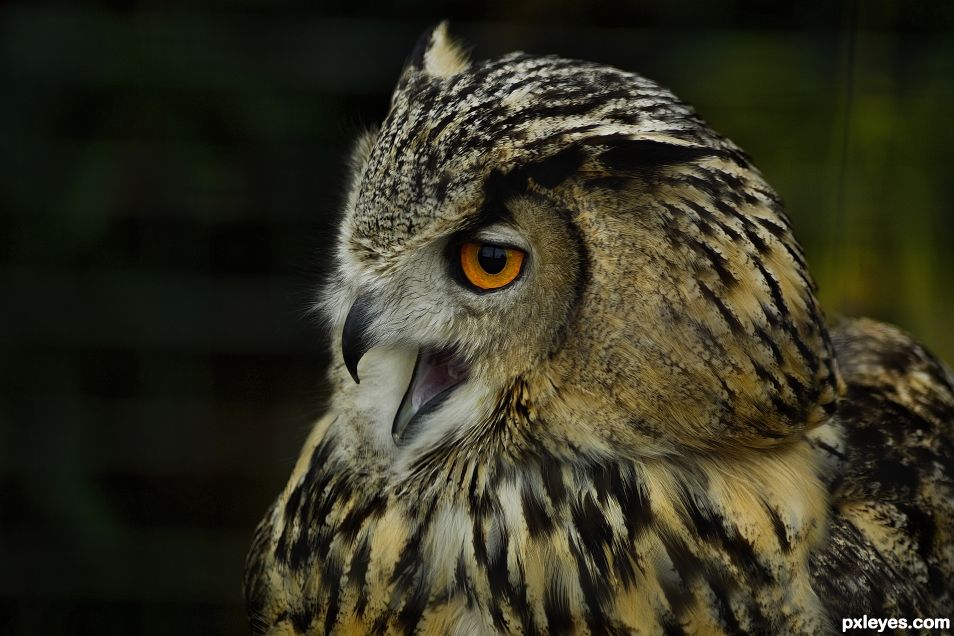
503	234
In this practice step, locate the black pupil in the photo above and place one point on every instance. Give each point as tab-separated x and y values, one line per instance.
492	258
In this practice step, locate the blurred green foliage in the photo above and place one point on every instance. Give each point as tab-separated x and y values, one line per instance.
168	190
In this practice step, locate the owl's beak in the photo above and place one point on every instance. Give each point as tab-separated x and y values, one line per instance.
355	339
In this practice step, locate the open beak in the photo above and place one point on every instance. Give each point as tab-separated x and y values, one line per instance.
436	373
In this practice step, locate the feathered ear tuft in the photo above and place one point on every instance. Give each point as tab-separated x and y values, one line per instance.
437	55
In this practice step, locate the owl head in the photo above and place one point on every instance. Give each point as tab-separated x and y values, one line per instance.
547	254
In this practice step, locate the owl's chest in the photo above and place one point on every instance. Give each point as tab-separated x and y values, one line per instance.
532	553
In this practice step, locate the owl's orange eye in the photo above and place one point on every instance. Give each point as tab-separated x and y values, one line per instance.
488	266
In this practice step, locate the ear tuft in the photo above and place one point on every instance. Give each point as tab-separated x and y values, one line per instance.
437	55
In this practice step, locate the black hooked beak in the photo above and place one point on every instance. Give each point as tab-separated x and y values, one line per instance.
355	340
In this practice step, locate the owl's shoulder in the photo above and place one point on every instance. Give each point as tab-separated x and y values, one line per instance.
889	546
883	359
897	411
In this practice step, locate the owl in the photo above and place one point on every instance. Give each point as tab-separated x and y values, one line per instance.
583	386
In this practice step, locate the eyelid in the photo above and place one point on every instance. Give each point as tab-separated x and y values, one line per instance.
502	235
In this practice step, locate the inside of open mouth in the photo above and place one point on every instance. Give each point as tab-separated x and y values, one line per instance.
436	373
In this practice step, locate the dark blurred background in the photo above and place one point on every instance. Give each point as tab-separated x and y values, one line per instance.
170	175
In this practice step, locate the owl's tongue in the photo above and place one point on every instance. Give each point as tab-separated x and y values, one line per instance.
435	374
